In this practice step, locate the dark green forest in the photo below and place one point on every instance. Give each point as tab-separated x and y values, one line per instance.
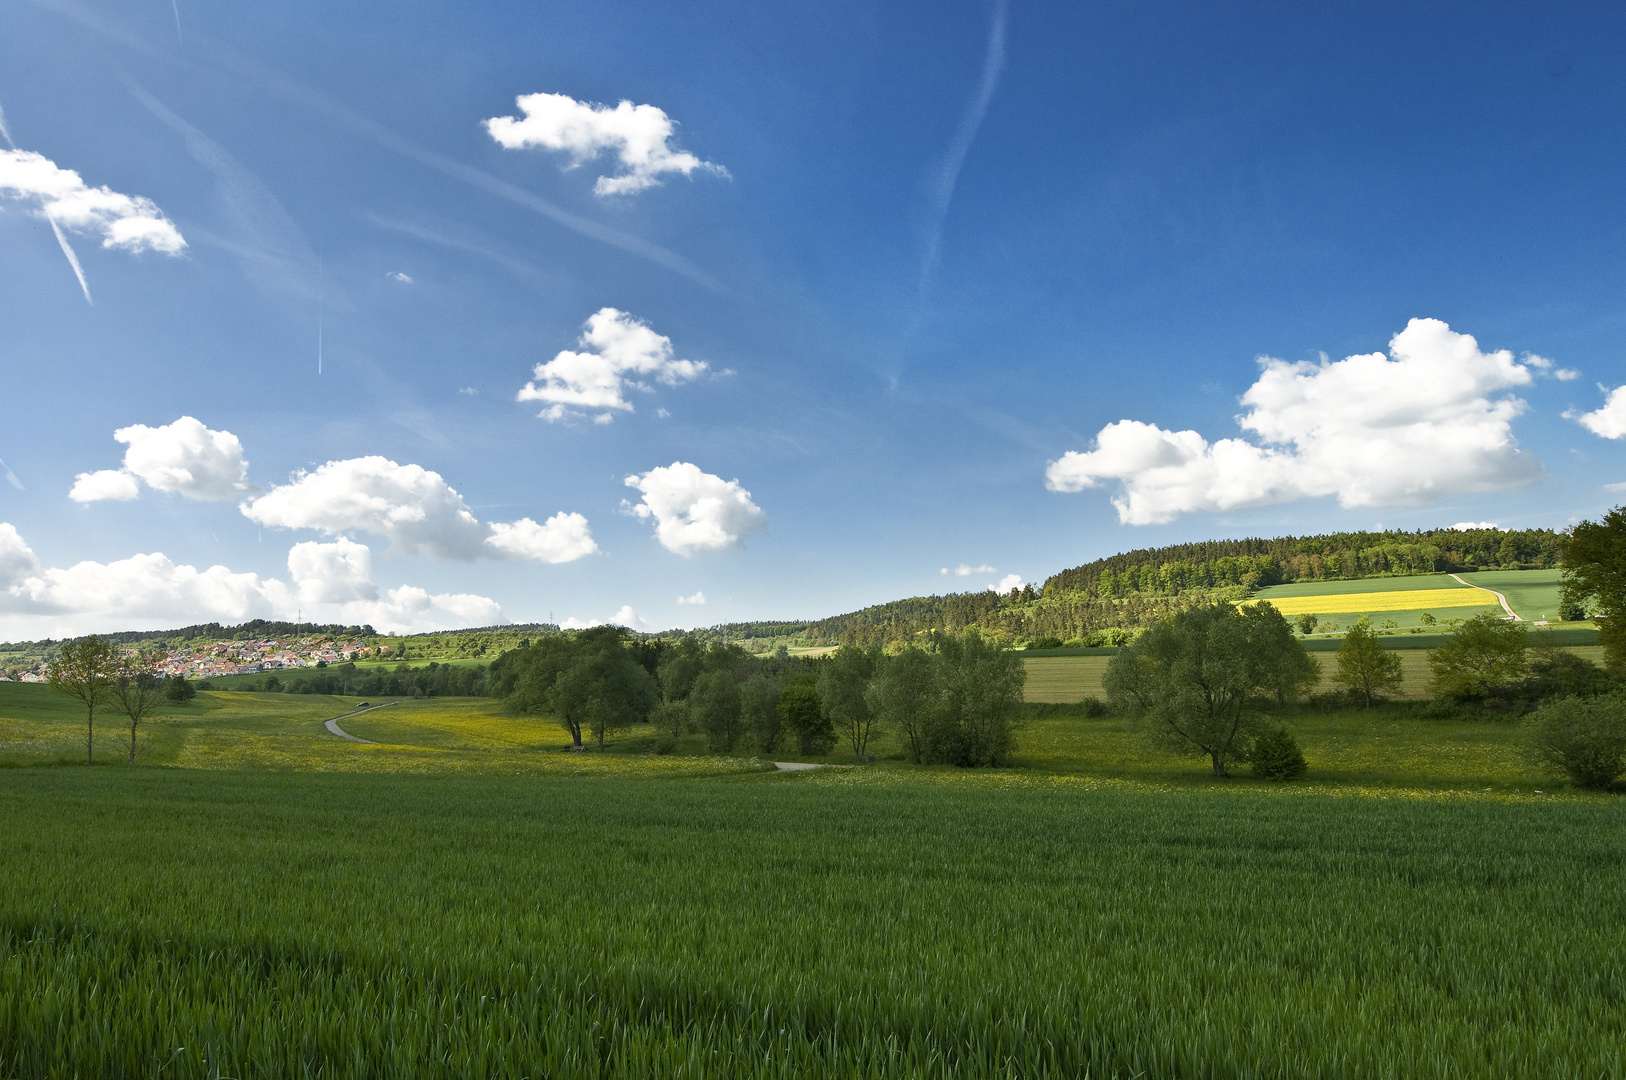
1096	602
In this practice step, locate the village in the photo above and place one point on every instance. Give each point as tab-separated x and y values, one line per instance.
216	659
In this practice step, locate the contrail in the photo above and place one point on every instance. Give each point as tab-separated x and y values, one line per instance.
11	477
73	260
941	190
175	6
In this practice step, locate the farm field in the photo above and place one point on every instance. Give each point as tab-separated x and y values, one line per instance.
821	924
1533	594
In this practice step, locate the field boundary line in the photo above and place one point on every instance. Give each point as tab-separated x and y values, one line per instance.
333	724
1514	615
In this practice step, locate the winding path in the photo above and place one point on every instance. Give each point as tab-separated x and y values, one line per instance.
796	766
333	724
1514	615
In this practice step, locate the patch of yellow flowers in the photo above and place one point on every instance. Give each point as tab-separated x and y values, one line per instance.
1405	600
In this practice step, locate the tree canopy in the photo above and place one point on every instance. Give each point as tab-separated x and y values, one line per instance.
1594	563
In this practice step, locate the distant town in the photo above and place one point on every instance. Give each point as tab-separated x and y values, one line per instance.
215	659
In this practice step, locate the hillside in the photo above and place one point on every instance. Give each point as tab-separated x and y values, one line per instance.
1135	588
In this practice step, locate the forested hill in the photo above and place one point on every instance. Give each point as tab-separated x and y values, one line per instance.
1130	590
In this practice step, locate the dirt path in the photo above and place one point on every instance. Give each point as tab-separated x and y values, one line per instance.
333	724
795	766
1514	615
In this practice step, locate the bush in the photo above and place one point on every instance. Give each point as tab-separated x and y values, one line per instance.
1276	756
1584	739
1044	643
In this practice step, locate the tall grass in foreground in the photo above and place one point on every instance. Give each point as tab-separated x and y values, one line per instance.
202	924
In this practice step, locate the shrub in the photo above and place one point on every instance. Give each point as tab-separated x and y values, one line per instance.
1582	738
1044	643
1276	756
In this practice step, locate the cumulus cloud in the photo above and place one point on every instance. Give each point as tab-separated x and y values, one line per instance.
1465	526
109	484
1416	425
335	573
183	458
1007	583
416	509
563	538
128	593
695	511
637	137
625	617
125	222
1609	421
617	352
697	598
409	609
1543	366
966	569
396	275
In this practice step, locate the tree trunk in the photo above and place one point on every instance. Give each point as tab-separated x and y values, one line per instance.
132	743
90	732
1219	765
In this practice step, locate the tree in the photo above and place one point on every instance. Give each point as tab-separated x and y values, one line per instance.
1199	675
843	685
1484	657
1307	623
139	690
588	680
907	694
1594	561
759	711
1582	738
1364	665
982	695
177	691
1275	755
804	717
84	670
714	702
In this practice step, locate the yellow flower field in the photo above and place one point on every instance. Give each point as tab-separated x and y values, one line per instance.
1406	600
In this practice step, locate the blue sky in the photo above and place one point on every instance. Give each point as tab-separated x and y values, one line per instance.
851	293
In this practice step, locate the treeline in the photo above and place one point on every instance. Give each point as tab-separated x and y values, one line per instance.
1137	589
956	704
1255	562
432	680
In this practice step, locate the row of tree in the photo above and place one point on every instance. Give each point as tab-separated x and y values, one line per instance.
431	680
955	702
94	672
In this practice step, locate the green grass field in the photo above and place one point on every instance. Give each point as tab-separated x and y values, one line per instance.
261	898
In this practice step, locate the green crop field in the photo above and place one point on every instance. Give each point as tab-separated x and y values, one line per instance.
261	898
1533	594
169	922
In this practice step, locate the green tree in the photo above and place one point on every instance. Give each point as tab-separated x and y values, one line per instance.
588	680
178	691
139	690
1275	755
843	685
907	695
714	703
1365	667
804	717
1594	561
759	711
1483	658
1198	677
1582	738
982	699
85	671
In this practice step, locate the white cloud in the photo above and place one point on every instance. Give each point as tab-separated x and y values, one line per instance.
396	275
697	598
616	350
140	592
1375	430
563	539
469	390
638	137
966	570
183	458
416	510
1566	374
335	573
695	511
1543	366
131	223
1007	583
1464	526
409	609
625	617
1609	421
114	484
